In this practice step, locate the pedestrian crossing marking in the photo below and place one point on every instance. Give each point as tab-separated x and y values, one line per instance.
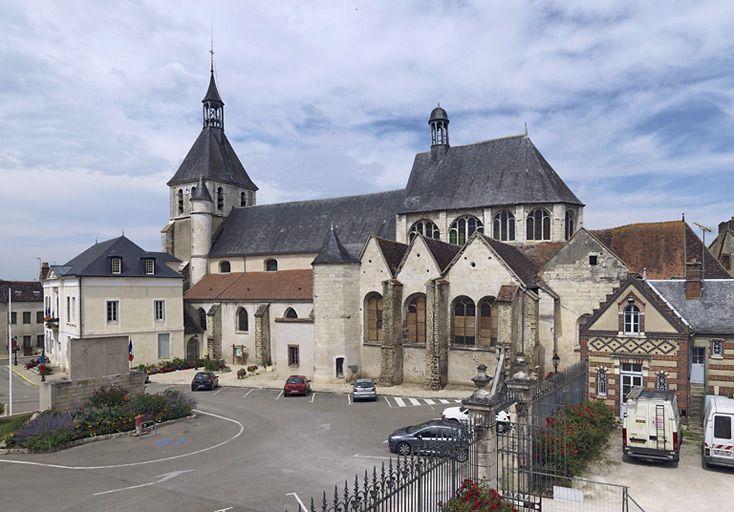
429	401
414	401
399	401
443	401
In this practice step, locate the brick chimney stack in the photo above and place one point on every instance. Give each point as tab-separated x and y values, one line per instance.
693	279
44	271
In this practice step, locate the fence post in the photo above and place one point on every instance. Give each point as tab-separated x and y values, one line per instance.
481	406
521	385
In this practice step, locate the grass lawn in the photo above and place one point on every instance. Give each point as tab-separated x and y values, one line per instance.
9	425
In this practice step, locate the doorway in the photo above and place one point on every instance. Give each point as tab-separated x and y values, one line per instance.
698	364
339	367
630	376
192	349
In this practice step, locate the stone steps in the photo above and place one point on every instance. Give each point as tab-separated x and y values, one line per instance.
696	404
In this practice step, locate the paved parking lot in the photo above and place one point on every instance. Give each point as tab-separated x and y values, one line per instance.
261	451
662	487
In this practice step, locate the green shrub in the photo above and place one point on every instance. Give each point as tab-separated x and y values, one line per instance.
178	405
152	407
213	365
252	368
475	497
108	396
9	426
47	430
98	421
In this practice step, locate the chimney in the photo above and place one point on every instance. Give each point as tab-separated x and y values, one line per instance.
44	271
693	279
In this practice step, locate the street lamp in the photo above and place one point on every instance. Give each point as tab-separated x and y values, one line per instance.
556	359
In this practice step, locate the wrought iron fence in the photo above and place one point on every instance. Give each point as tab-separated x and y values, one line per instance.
567	387
421	482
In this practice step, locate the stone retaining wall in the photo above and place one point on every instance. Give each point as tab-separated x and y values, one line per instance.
67	394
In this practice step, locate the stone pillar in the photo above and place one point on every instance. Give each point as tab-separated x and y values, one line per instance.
521	385
213	335
437	352
482	408
262	335
391	352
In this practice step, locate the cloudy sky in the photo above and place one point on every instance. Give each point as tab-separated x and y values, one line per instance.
100	101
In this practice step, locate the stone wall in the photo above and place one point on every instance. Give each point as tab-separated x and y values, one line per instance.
97	357
68	394
262	335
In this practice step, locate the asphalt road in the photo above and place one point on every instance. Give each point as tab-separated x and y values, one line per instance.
25	396
262	452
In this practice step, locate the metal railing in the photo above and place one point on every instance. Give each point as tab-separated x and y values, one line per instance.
567	387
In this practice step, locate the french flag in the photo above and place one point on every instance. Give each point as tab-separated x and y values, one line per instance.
130	355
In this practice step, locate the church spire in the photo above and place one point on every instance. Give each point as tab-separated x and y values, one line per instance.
213	104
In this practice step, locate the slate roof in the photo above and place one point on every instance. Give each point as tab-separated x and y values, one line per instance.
212	93
95	261
443	253
299	227
23	291
212	157
282	285
161	256
332	251
523	266
503	171
660	248
506	293
712	313
393	252
201	193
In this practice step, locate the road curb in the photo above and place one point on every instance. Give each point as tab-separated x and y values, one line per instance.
29	381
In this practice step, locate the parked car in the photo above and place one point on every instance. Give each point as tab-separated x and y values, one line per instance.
204	380
296	385
461	415
364	389
651	426
718	431
430	437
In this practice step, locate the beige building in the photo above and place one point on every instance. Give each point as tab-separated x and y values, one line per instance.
26	318
115	288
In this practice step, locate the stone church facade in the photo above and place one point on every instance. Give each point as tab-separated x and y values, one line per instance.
482	253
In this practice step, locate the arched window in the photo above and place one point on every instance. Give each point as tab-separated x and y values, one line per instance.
661	382
426	228
242	320
504	226
180	201
465	321
570	224
539	225
373	305
202	319
290	313
415	319
601	382
220	198
224	267
631	319
487	322
463	228
271	265
243	198
193	191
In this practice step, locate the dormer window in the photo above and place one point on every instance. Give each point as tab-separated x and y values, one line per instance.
150	266
117	265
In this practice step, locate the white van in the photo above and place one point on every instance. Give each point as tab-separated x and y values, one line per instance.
718	431
651	425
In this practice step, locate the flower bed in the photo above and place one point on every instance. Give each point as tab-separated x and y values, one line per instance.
579	434
109	410
475	497
176	364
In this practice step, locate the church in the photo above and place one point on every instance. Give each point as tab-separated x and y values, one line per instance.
414	285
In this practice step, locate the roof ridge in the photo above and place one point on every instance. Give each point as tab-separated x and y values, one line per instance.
315	200
496	139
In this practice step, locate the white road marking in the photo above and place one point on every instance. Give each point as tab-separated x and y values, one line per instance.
443	401
399	401
153	461
385	441
245	396
163	478
458	401
313	397
414	401
371	456
300	503
224	509
218	391
279	394
349	399
429	401
388	402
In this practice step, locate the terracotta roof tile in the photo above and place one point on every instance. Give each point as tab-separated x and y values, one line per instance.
660	248
542	252
296	285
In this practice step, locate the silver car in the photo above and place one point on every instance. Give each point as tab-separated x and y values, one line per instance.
364	389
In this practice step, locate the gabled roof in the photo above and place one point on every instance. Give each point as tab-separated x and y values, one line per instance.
299	227
95	261
712	313
520	264
442	252
659	248
23	291
213	158
504	171
393	252
541	253
332	251
651	297
282	285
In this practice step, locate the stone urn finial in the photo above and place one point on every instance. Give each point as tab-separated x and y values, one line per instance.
481	381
